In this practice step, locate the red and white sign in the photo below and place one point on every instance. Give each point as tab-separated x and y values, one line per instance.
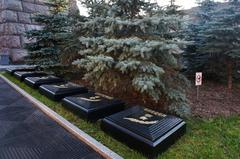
198	81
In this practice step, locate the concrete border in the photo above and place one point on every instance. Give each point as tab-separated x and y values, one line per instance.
4	67
97	146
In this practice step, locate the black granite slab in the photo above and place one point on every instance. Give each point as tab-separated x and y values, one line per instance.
93	106
145	130
24	69
22	74
35	82
27	133
61	90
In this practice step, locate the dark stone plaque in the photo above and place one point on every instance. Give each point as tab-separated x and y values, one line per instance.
61	90
4	59
24	69
22	74
148	131
93	106
35	82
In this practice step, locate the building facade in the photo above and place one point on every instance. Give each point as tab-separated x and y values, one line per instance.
15	19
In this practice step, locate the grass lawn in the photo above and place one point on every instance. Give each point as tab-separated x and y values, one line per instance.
217	138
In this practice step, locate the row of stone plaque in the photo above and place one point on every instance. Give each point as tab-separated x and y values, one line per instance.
148	131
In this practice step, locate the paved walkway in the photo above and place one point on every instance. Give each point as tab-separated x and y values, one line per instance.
27	133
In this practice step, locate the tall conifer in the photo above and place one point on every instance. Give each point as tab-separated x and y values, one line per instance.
222	40
44	48
134	45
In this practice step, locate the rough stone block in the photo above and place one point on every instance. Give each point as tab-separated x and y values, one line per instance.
29	7
42	9
1	29
9	28
2	42
12	28
1	16
8	16
10	41
11	4
18	55
24	17
31	1
1	4
32	27
5	51
20	28
41	1
14	41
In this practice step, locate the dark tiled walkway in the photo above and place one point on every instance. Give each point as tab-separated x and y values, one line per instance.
27	133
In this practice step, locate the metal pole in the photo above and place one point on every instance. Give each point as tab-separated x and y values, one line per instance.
197	93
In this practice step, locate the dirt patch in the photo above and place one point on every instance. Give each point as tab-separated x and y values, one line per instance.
215	100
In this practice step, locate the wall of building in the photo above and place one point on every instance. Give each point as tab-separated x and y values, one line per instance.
15	19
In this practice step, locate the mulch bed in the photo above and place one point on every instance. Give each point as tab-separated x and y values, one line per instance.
215	100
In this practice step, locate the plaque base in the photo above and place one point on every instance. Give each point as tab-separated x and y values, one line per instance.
93	106
24	69
22	75
149	137
58	91
35	82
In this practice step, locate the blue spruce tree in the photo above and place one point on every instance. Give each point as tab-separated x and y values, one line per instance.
45	48
221	38
197	60
134	45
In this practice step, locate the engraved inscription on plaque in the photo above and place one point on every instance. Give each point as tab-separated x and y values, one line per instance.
155	113
65	85
148	117
104	96
61	86
97	98
43	78
91	99
25	72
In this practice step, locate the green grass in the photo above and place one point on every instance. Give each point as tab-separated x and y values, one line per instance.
217	138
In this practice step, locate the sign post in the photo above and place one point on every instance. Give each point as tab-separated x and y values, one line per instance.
198	82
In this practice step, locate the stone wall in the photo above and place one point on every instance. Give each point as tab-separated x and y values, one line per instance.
15	19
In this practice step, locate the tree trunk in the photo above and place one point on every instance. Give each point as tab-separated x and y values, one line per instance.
72	7
230	76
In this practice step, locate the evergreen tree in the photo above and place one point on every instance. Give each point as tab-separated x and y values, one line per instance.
221	37
44	50
173	8
70	46
196	60
72	7
133	44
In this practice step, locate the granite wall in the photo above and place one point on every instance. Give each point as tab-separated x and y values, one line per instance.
15	19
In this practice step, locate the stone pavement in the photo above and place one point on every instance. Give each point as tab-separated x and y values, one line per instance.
27	133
